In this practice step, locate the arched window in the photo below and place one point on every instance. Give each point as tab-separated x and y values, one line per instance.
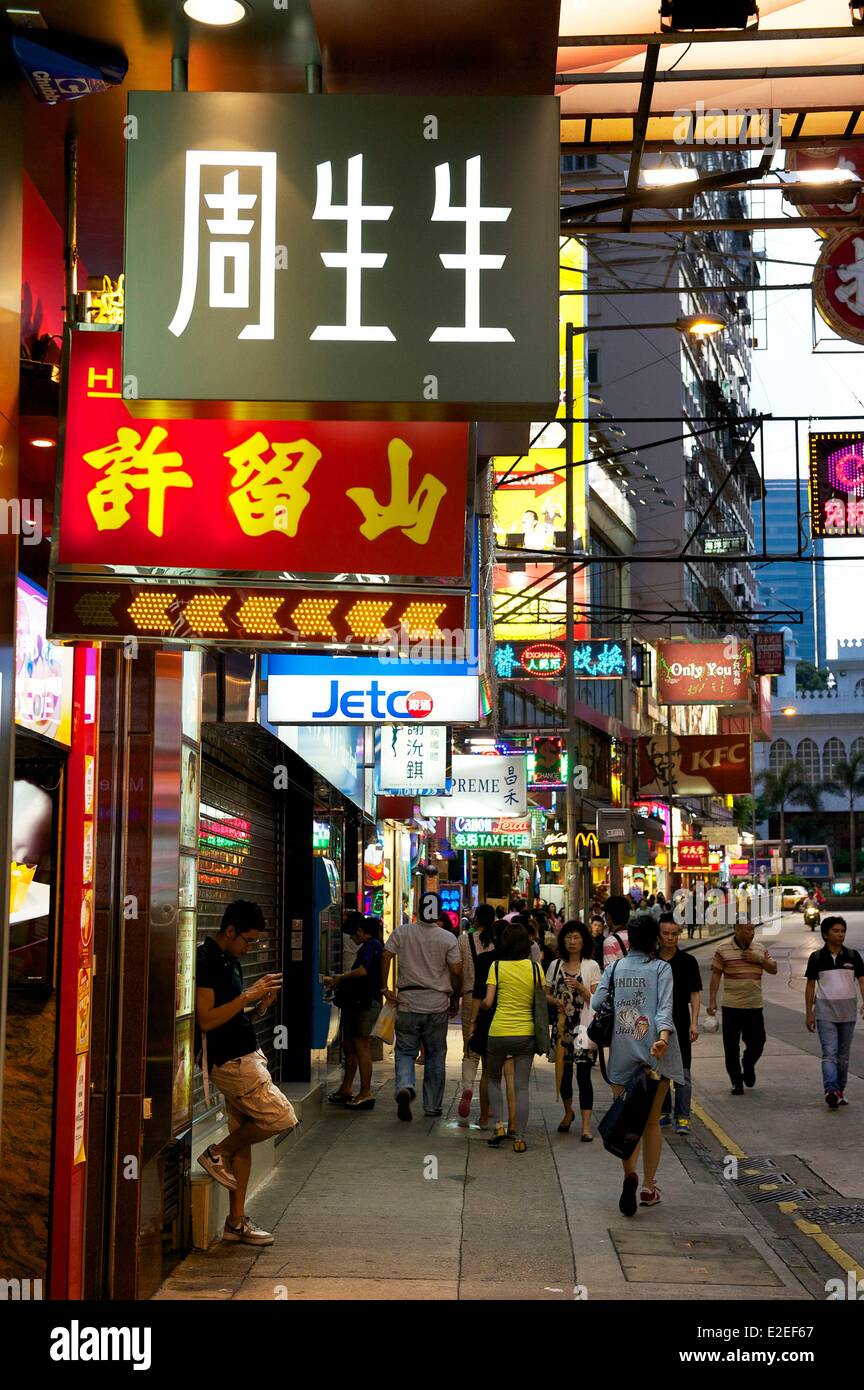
780	755
857	747
832	753
808	758
859	686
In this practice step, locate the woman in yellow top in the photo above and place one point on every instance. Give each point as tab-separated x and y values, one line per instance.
511	983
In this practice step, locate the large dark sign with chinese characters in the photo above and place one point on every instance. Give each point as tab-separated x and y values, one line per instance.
837	484
769	657
264	497
329	258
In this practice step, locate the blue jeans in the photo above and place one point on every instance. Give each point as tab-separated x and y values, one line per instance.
683	1094
836	1040
431	1030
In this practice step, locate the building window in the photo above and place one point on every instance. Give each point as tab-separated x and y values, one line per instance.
859	687
808	758
857	747
576	163
832	753
780	755
592	368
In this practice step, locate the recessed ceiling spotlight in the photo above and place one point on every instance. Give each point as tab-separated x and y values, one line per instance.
43	443
216	12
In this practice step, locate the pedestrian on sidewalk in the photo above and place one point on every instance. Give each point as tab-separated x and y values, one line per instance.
598	928
256	1108
832	976
357	992
740	965
643	1035
512	981
481	976
570	982
430	971
617	915
479	941
686	1001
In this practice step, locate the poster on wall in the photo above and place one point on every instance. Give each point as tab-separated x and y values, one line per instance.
185	968
188	880
190	767
43	669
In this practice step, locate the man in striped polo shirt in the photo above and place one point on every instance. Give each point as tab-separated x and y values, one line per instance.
739	964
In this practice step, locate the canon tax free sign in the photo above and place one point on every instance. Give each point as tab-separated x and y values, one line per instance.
326	257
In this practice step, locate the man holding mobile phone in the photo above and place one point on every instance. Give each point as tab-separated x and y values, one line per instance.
256	1107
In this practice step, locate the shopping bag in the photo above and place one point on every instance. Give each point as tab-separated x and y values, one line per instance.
385	1024
624	1122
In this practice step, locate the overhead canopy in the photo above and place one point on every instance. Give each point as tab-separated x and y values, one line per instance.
806	60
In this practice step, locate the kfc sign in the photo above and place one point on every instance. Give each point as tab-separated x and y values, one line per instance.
693	765
703	673
692	854
837	484
332	257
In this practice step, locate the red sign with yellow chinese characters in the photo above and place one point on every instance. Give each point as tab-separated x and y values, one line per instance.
272	497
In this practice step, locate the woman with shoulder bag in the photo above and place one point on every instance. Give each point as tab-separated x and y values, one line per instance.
511	989
570	982
643	1035
357	993
474	944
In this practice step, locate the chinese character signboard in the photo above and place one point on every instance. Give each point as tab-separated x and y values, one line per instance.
713	765
491	832
703	673
768	654
692	854
837	483
337	255
413	760
548	755
482	786
838	283
593	658
253	496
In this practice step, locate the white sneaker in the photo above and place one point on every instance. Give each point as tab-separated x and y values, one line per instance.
215	1165
247	1233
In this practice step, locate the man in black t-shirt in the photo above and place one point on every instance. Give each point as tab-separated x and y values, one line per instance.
256	1107
686	1001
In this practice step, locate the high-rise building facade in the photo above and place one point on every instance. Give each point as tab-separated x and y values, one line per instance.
797	584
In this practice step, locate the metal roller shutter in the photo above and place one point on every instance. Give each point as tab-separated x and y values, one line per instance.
240	855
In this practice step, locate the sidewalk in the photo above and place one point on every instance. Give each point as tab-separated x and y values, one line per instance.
364	1206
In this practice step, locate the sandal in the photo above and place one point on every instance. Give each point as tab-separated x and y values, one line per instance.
519	1146
498	1137
587	1139
339	1098
367	1103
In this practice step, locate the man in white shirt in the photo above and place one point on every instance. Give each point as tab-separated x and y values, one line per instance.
430	972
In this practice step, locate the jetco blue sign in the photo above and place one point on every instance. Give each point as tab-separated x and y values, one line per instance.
345	690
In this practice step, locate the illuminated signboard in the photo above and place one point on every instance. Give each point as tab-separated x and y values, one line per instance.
837	484
703	673
837	284
654	810
255	616
342	254
529	502
252	497
769	658
596	658
43	670
491	832
548	753
413	760
692	854
482	786
731	544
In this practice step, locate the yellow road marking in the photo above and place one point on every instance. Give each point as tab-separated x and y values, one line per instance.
807	1228
729	1145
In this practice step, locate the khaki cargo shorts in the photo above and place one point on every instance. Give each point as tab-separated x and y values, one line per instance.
250	1094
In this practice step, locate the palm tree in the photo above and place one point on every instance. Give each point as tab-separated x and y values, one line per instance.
779	789
810	797
848	781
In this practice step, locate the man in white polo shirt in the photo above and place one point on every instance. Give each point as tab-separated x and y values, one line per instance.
834	976
430	971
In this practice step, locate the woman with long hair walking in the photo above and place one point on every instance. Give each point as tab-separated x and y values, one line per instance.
570	982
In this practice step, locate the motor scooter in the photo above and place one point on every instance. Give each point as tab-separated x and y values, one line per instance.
812	916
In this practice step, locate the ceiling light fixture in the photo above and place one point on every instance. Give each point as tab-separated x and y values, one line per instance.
43	443
667	176
220	13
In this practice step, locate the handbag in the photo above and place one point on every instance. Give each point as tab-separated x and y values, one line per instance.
624	1122
479	1039
541	1014
385	1024
602	1025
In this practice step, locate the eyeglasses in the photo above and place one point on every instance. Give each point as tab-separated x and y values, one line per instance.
241	936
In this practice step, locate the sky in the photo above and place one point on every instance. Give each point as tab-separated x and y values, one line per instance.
789	378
